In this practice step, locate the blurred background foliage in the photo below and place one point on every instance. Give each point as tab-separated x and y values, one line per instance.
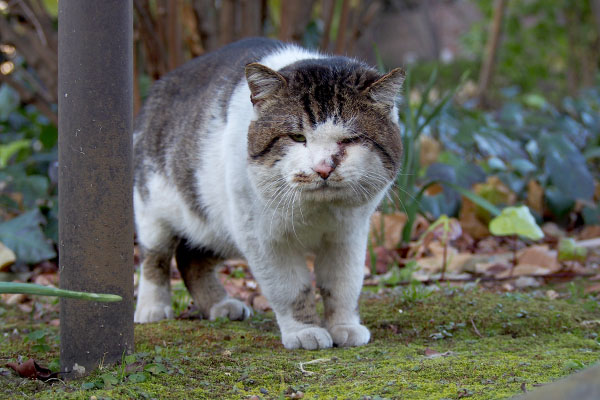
503	98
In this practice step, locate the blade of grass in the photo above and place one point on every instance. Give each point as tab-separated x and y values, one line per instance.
475	198
39	290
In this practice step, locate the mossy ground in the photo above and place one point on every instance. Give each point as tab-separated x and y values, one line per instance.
497	345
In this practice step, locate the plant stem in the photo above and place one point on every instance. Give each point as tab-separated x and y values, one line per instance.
39	290
445	244
514	251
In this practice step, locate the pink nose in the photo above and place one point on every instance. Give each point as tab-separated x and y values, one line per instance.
324	169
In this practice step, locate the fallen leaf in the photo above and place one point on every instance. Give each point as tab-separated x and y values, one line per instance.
386	229
32	370
592	289
539	256
429	150
432	353
260	303
589	232
516	221
384	258
535	196
469	221
7	258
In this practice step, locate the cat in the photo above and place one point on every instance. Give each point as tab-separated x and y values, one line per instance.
267	151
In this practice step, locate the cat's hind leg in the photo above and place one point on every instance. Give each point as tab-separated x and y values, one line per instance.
197	268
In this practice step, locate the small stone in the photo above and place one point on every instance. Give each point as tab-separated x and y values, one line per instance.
552	294
264	391
526	281
297	395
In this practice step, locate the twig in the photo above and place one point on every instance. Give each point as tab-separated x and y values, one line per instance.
36	23
343	25
487	68
328	13
475	329
318	360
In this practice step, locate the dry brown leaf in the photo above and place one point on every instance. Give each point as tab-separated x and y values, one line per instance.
592	289
456	261
7	258
535	196
551	229
260	303
430	150
434	189
589	232
387	229
384	258
539	256
469	221
32	370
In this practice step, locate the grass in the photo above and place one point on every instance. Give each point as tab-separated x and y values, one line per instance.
494	345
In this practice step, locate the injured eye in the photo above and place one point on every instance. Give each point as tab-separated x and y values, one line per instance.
353	139
298	138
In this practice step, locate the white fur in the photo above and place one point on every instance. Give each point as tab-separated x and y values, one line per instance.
274	224
154	302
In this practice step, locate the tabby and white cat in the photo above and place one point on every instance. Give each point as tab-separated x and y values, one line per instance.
289	159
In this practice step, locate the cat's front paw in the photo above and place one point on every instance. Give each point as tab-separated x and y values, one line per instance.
312	338
350	335
233	309
145	313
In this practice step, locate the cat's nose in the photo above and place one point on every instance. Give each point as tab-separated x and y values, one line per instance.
324	169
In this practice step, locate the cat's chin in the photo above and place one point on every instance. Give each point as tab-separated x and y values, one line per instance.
340	194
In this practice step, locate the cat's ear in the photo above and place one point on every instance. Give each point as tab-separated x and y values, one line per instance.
263	82
386	90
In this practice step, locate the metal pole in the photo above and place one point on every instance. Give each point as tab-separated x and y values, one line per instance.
95	112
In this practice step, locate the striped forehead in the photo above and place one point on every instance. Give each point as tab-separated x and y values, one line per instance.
327	91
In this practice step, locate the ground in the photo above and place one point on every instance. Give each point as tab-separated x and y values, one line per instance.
450	343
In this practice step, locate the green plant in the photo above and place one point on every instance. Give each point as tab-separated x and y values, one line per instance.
516	221
415	118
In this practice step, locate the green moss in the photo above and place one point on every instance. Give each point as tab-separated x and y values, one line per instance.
514	340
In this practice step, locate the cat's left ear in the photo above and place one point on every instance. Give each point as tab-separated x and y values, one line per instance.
386	90
263	82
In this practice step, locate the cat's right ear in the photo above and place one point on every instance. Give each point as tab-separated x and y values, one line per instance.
263	82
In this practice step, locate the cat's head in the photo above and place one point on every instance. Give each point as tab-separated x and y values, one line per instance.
324	130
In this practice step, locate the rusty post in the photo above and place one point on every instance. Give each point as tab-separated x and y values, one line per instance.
95	112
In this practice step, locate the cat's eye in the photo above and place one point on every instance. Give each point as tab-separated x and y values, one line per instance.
298	138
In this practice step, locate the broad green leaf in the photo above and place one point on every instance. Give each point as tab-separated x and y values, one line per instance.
109	380
9	101
568	250
516	221
567	167
138	377
24	236
155	368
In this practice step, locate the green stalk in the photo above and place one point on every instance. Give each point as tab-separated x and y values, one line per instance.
39	290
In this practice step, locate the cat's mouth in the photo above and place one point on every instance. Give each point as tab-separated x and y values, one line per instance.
324	186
